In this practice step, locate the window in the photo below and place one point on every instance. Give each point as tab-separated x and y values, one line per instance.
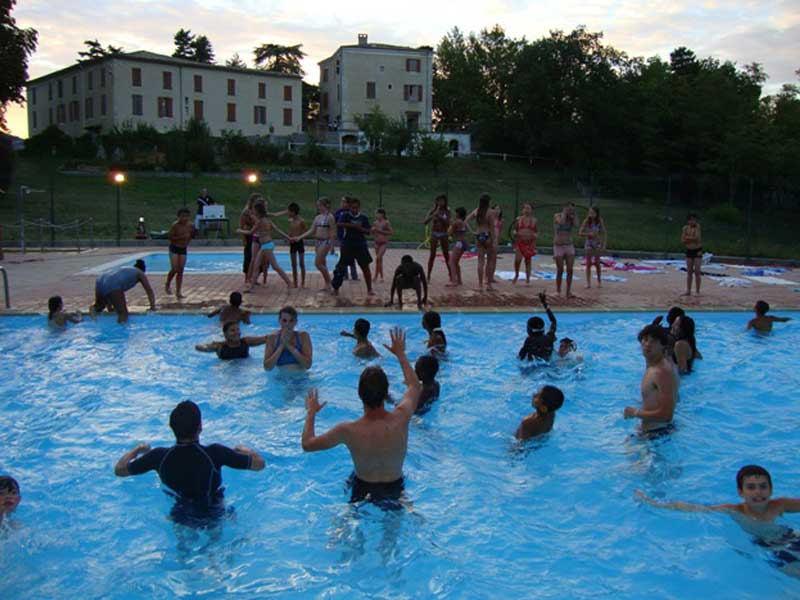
166	77
90	80
35	124
231	112
50	116
74	84
337	67
260	115
371	90
102	77
324	75
33	95
136	77
103	105
165	107
231	87
198	83
413	65
60	88
137	105
287	117
74	111
262	90
324	99
287	93
412	93
89	108
198	110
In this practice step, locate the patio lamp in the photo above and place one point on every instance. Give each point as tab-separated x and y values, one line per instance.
118	178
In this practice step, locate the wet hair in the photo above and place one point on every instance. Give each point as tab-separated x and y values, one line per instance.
139	264
373	387
655	332
483	208
441	197
381	211
461	212
8	484
289	310
431	320
535	324
686	332
235	299
54	304
293	208
227	325
552	398
183	211
361	327
674	313
185	420
260	208
750	471
426	368
407	259
569	342
762	307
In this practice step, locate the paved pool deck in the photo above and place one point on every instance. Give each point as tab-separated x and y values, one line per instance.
35	276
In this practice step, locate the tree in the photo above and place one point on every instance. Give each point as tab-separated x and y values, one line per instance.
398	136
94	50
434	150
16	46
236	62
183	44
282	59
374	124
310	103
202	50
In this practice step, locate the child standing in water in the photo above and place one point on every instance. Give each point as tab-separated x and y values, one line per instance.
432	323
546	402
297	249
763	322
426	369
381	230
363	347
180	234
57	316
691	237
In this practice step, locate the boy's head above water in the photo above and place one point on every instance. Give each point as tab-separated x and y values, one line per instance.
761	308
361	328
535	325
548	399
235	299
565	346
653	339
9	494
754	485
426	368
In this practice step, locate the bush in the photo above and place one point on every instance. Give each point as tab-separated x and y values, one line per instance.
50	142
724	213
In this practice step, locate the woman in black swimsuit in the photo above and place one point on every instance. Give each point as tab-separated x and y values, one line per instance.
439	218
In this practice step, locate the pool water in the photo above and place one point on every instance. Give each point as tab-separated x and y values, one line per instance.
215	262
489	517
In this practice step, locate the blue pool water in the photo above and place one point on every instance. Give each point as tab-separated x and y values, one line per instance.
225	262
553	518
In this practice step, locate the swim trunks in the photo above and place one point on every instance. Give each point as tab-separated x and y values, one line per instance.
384	494
177	250
694	252
527	249
297	246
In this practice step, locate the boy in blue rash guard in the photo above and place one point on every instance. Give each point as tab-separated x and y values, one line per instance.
192	471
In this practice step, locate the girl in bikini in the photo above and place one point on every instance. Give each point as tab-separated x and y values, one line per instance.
439	218
262	234
525	232
484	236
491	261
323	228
690	236
381	230
594	230
563	248
458	229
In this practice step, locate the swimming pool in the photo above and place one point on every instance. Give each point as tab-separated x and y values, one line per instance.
207	262
554	518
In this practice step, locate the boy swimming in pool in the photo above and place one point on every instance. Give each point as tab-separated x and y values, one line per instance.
426	368
546	402
9	496
232	311
539	344
762	322
363	347
756	514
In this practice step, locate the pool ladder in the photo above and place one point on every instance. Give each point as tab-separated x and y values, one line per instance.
5	285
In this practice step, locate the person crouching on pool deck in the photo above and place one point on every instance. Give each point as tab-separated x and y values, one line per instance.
377	441
546	402
363	347
232	311
57	316
180	234
659	384
763	322
539	344
287	347
9	497
192	471
234	345
110	288
409	275
756	514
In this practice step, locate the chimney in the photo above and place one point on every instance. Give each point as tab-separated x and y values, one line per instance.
362	39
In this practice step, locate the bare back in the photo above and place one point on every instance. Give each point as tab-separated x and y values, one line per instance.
378	443
659	385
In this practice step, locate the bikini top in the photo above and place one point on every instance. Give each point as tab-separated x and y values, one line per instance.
531	225
286	357
322	221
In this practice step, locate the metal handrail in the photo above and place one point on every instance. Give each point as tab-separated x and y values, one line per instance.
5	285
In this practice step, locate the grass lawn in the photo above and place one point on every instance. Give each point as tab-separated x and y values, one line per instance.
639	222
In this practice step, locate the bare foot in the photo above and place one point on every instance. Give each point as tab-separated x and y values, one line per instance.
571	295
180	296
514	281
451	284
686	294
167	291
588	286
370	293
489	287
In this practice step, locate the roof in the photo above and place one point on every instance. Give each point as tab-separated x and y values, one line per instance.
424	49
146	56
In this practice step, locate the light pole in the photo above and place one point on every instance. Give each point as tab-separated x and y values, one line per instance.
118	178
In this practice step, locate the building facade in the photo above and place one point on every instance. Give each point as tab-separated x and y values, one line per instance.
357	78
164	92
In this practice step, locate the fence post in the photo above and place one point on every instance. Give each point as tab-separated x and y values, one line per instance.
78	235
52	212
91	232
41	235
749	218
380	193
667	203
317	172
20	217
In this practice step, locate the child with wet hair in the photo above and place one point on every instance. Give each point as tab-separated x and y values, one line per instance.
762	322
437	341
363	347
566	346
57	316
233	311
9	496
546	402
426	368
